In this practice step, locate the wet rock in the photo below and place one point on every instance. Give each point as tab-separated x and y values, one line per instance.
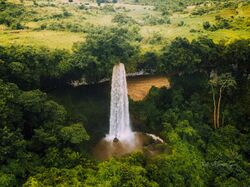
115	140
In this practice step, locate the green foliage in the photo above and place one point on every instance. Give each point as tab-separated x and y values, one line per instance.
11	14
181	23
43	145
102	49
125	172
75	133
148	114
179	56
237	53
122	19
7	180
30	67
32	182
12	144
148	62
200	11
152	20
57	177
183	168
108	8
38	124
115	173
206	25
221	23
223	81
156	38
9	93
224	158
32	101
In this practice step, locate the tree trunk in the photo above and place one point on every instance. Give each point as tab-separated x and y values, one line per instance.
215	110
218	108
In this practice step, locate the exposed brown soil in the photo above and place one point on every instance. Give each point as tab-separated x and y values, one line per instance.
138	87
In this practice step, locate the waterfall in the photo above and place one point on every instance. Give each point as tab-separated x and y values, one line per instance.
119	127
121	140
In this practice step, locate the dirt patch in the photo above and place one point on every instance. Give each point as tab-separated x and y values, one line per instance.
138	87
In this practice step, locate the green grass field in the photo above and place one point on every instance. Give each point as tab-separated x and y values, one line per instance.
52	39
103	17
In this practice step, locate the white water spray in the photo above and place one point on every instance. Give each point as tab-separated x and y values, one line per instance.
119	127
121	140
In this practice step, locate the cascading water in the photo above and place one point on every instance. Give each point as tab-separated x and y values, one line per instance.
119	127
121	140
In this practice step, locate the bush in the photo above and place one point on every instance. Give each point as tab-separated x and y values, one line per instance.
218	17
220	24
16	26
206	25
56	26
83	7
30	67
108	8
223	24
43	26
66	13
194	31
56	16
123	19
11	14
157	38
200	11
152	20
181	23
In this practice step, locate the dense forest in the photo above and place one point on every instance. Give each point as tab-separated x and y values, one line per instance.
203	118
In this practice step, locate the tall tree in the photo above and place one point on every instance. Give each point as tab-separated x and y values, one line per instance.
218	85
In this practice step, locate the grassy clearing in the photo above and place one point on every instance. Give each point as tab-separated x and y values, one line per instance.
51	39
228	35
191	28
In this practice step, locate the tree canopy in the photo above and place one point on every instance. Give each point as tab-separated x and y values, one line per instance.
103	48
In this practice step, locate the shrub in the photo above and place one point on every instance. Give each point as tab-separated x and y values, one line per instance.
56	27
206	25
200	11
66	13
152	20
194	30
157	38
220	24
218	17
123	19
11	14
55	16
43	26
108	8
16	26
223	24
83	7
181	23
